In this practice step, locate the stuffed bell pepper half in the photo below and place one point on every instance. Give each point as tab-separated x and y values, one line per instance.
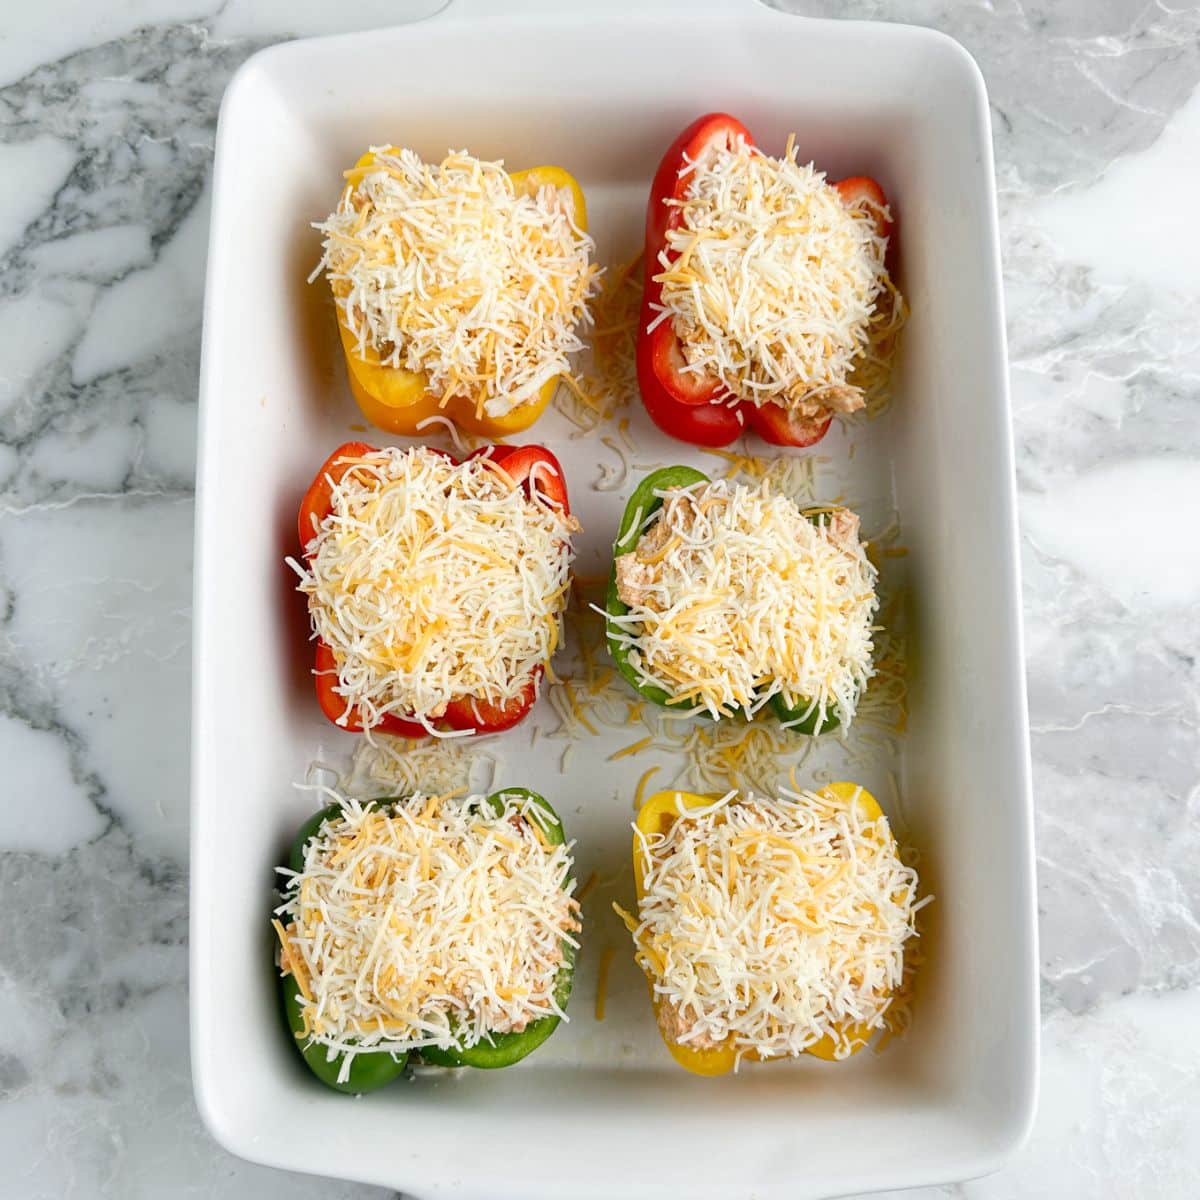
729	601
429	926
459	288
435	587
803	909
768	303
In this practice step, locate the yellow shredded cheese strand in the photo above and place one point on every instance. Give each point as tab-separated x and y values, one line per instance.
632	748
640	794
575	709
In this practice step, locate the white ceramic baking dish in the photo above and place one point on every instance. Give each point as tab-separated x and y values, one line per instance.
601	1110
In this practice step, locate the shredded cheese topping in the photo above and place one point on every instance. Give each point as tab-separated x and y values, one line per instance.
735	596
772	284
431	580
429	921
450	271
769	924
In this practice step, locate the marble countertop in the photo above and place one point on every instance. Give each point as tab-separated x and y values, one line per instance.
107	115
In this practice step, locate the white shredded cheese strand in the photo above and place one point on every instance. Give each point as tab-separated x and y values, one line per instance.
431	580
771	283
447	270
427	922
768	924
735	596
451	430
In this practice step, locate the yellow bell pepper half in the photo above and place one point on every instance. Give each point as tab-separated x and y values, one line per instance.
398	400
656	817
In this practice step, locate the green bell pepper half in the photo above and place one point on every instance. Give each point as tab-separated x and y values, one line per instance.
368	1071
642	504
803	724
375	1069
504	1049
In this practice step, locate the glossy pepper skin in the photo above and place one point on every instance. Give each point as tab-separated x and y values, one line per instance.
682	403
371	1071
399	400
656	816
533	467
642	504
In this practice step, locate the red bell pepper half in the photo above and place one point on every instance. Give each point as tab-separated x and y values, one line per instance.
697	408
532	467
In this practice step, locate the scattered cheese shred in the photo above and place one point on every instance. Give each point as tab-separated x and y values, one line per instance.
427	922
721	755
431	580
772	284
391	766
793	475
607	378
449	271
576	711
640	794
735	596
768	924
632	748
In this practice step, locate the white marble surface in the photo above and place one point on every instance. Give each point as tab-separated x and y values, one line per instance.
106	131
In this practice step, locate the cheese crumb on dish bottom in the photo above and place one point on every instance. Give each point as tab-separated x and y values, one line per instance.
773	285
735	595
448	270
606	377
428	921
383	765
724	755
772	926
432	580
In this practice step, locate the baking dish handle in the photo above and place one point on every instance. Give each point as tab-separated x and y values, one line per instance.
471	10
